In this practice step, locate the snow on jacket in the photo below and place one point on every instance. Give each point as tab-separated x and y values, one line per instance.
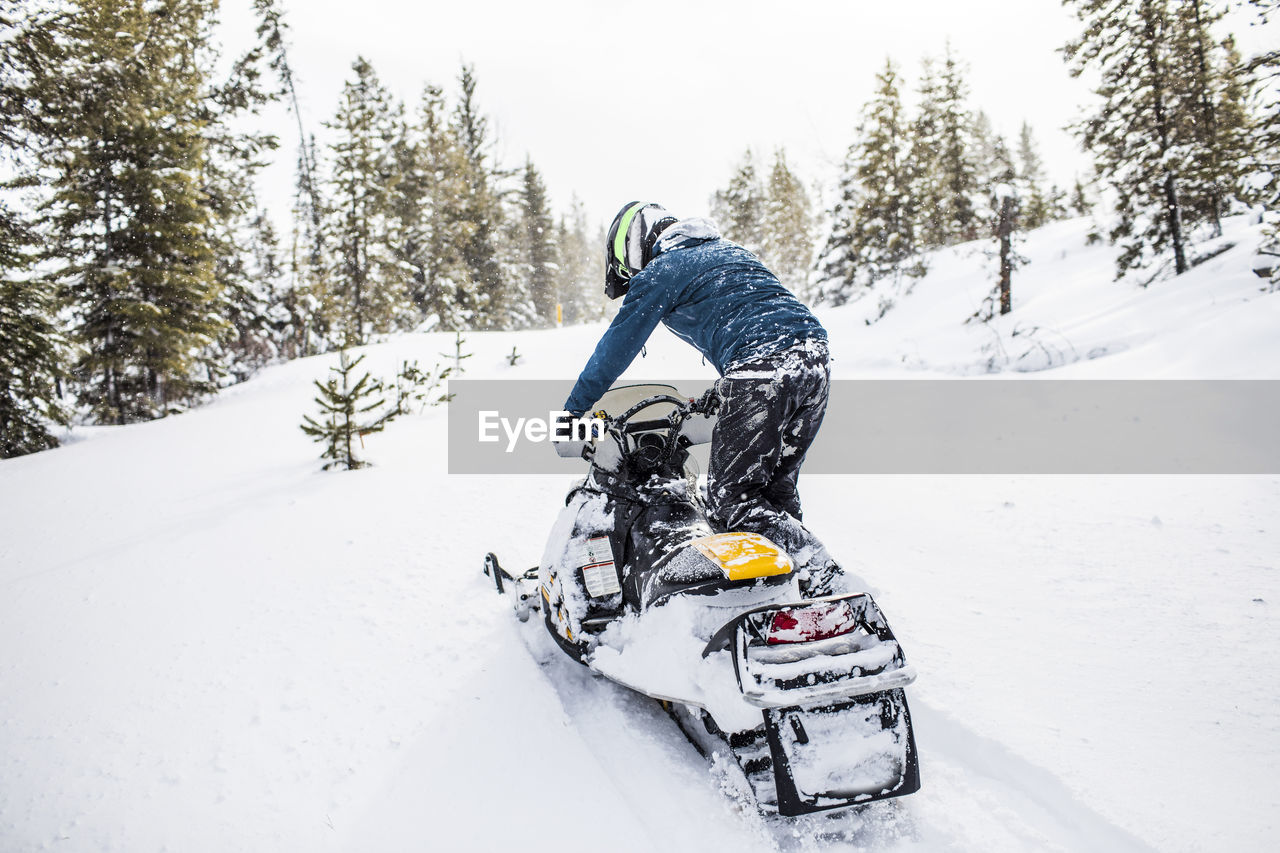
711	293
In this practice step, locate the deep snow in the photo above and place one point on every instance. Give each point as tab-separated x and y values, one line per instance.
208	644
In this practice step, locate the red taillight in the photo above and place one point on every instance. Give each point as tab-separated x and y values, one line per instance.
812	622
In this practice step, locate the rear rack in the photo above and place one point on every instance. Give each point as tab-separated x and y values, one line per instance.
862	661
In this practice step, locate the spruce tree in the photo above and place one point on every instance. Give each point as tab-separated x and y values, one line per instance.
411	211
370	291
739	209
124	120
305	321
1003	170
1080	204
541	256
478	216
1036	206
1157	136
928	183
874	222
518	309
579	281
1263	70
787	242
984	141
838	261
346	405
256	302
956	170
1214	120
246	262
431	217
31	348
306	295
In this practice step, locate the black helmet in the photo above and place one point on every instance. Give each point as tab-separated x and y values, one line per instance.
629	245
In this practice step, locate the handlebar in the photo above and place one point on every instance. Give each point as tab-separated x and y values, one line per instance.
622	421
623	429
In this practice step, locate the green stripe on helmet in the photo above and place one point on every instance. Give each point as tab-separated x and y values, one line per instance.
620	239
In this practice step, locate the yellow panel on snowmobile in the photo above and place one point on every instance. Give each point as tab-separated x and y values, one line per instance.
744	555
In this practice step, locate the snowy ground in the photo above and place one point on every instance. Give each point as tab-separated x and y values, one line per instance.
207	644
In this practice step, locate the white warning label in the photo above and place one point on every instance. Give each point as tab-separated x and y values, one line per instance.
595	557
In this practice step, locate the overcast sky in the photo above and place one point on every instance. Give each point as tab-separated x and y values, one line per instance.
658	101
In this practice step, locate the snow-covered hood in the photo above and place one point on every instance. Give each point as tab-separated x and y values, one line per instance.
686	232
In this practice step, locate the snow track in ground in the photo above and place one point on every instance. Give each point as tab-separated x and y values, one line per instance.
977	794
982	791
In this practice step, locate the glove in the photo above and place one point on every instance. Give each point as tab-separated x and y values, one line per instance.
709	402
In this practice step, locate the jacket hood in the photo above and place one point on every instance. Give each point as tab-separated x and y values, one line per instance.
686	232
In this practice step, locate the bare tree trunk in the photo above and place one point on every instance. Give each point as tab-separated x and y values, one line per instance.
1173	212
1210	119
1004	230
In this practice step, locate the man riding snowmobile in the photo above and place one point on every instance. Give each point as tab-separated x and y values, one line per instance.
727	610
771	353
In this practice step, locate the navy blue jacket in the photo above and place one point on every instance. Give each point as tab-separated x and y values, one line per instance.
713	294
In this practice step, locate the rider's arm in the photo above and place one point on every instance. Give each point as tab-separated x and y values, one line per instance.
646	303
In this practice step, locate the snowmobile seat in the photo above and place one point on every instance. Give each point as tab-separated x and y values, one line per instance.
719	561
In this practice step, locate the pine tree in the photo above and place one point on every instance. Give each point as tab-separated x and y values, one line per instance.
1080	205
984	139
579	281
542	258
256	302
1003	171
956	169
1132	135
31	348
305	300
739	209
344	404
1214	118
124	123
370	291
787	242
246	262
927	181
305	322
1263	71
411	211
1036	206
431	219
874	223
479	214
518	310
1158	136
838	261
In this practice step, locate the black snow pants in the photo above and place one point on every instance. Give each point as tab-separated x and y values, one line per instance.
770	412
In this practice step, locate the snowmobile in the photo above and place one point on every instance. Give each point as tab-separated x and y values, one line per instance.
805	694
